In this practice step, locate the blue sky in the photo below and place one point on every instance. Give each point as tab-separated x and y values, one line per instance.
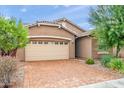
29	14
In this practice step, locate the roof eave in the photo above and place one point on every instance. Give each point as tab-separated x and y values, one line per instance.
39	24
64	19
85	34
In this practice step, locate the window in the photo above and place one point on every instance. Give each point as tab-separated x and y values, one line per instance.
65	43
45	42
61	43
34	42
40	42
56	43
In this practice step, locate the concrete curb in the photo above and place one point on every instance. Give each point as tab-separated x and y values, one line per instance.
118	83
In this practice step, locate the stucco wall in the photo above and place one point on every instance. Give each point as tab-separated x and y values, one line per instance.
72	49
84	47
95	49
50	31
20	55
72	27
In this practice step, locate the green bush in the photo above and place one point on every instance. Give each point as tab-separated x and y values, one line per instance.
90	61
116	64
112	63
121	70
105	59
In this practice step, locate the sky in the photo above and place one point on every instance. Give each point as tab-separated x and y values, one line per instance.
32	13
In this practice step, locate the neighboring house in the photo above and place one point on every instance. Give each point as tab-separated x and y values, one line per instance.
60	39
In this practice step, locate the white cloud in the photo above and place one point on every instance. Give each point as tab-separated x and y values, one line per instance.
56	6
68	13
72	10
66	6
91	28
86	25
23	10
7	17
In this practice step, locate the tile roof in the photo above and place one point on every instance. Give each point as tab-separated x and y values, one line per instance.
55	23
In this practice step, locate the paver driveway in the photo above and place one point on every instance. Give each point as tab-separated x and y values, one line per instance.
64	73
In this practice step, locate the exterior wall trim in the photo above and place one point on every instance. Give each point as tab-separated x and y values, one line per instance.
39	24
48	24
57	37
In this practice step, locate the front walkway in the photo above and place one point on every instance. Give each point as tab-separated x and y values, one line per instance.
64	73
119	83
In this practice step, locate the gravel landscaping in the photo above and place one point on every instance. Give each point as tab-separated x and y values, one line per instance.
65	73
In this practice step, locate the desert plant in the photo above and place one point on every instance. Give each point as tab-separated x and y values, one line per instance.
116	64
105	59
90	61
7	70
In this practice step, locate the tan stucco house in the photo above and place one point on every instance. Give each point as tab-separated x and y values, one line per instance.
60	39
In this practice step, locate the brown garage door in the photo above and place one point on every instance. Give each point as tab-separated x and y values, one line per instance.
42	50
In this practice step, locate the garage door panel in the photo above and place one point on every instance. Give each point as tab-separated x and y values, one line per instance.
46	52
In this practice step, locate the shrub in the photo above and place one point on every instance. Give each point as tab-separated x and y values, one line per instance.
90	61
116	64
7	70
121	70
105	59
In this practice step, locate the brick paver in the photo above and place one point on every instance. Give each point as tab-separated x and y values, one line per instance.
63	73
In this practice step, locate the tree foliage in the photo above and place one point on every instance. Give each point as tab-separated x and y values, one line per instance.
109	26
13	35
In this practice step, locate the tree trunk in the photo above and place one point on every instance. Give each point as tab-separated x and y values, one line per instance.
5	86
11	53
117	51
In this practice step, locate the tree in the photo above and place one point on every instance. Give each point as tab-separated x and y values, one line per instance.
13	35
109	26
